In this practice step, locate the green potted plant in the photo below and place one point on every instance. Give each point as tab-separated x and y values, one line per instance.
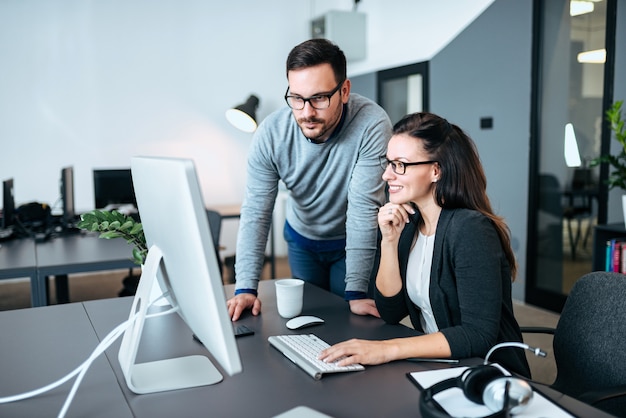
113	224
617	178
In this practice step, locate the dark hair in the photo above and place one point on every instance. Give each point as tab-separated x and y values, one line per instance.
462	182
318	51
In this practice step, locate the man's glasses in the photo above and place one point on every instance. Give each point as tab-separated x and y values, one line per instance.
399	167
319	101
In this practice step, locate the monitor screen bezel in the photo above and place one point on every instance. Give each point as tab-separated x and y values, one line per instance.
67	195
174	220
8	203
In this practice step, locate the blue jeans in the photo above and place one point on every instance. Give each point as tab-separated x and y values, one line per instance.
325	269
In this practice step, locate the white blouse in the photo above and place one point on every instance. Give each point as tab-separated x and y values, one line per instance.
418	279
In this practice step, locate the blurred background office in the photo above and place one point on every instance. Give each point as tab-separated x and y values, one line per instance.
91	84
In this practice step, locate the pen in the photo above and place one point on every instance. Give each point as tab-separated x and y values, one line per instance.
434	360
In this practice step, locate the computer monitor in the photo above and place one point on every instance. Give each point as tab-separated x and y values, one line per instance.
8	204
113	188
183	262
67	196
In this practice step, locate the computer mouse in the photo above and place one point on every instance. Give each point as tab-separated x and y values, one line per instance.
304	321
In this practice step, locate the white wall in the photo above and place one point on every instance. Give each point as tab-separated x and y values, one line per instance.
402	32
481	75
92	83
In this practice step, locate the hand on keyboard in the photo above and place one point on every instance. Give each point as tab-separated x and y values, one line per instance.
304	350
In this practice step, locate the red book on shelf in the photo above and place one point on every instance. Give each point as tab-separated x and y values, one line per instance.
616	256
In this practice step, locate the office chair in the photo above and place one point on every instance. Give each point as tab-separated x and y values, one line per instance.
589	342
550	194
550	218
215	224
229	266
229	263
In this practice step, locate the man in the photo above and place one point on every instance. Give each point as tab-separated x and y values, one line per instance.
325	147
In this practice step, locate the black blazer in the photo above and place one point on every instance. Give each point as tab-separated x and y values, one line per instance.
470	289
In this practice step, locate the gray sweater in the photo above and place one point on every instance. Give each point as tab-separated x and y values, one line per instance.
335	188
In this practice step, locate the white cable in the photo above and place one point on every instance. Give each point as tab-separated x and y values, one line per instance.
100	348
81	370
538	351
169	311
76	371
55	384
39	391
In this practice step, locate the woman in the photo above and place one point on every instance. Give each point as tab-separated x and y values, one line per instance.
446	258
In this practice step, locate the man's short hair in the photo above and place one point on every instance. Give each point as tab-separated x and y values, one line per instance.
318	51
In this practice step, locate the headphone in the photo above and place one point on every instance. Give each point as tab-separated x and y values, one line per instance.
487	385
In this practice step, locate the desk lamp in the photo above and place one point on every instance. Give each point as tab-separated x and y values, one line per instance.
243	116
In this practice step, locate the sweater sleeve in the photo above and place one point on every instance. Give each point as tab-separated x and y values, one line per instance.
366	194
256	214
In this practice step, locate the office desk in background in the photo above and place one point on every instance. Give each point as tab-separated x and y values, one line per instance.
78	253
61	255
227	211
19	259
269	384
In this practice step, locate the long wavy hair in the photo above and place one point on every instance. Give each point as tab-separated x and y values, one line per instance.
462	182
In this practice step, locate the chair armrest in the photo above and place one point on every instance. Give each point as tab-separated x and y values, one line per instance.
537	330
596	396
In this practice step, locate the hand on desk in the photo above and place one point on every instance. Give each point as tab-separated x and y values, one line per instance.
364	307
239	303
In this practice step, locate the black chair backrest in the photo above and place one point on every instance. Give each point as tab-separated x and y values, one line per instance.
590	338
215	224
550	195
582	179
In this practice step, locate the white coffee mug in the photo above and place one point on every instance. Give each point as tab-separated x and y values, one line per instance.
289	295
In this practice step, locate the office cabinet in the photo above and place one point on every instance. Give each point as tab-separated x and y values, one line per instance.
602	234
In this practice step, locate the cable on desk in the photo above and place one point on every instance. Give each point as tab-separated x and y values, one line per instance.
82	369
100	348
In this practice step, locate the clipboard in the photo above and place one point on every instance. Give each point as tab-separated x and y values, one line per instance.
454	402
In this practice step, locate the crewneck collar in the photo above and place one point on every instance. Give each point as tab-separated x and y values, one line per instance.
344	111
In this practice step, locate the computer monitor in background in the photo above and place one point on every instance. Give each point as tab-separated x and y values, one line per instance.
183	261
67	196
113	188
8	204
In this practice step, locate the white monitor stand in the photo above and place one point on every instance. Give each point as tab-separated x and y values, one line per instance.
160	375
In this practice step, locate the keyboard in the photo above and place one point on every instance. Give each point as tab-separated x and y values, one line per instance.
303	350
